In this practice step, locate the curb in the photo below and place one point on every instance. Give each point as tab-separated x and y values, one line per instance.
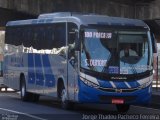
155	102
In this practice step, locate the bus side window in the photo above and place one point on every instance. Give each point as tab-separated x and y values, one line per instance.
34	36
40	43
60	34
25	39
72	33
71	41
60	38
17	36
49	37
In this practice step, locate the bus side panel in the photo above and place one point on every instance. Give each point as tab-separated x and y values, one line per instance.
50	76
35	80
48	72
31	73
55	67
39	70
43	73
13	66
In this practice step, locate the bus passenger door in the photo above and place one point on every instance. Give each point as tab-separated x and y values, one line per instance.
72	61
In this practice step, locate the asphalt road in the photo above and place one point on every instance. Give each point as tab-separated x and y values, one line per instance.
12	108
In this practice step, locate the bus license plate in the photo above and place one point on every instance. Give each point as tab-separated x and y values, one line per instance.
117	101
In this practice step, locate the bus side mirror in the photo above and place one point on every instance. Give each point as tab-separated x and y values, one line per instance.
154	43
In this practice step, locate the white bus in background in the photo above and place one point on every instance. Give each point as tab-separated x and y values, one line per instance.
158	63
2	36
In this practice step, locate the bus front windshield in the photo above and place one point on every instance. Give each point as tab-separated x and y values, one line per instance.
115	51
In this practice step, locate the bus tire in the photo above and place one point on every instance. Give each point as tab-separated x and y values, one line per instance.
65	104
122	108
35	97
23	92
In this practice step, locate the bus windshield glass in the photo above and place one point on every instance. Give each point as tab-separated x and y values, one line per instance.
115	51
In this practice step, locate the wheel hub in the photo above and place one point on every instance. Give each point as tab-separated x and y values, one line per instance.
63	96
23	91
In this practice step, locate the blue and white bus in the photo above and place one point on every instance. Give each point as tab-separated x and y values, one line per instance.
80	58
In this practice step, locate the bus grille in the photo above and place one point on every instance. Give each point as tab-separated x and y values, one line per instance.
118	90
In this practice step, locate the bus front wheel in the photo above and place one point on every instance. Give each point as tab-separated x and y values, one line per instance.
122	108
63	98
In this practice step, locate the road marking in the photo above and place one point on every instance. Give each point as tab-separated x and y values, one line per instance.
147	108
32	116
9	95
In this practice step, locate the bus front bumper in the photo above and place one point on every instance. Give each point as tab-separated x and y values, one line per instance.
89	94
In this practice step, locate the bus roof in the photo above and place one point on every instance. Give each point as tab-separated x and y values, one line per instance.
81	19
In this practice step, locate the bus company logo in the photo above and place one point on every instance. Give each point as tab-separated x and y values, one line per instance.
118	78
118	90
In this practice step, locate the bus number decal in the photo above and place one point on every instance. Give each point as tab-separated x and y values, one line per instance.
95	62
98	35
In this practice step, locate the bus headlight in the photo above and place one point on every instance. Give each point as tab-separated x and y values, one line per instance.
154	71
89	83
145	85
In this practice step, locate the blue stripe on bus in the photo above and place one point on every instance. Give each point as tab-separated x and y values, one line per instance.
105	84
31	74
120	85
134	84
39	71
49	77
